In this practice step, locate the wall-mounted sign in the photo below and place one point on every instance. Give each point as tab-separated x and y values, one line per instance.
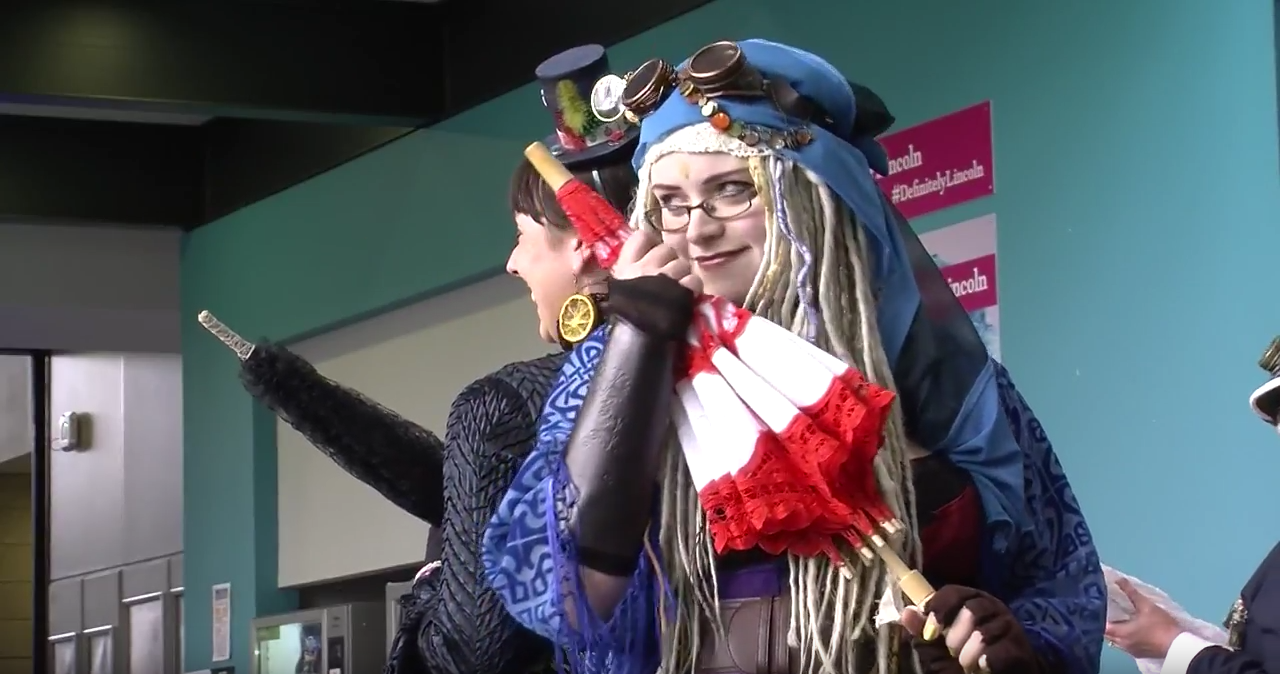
966	254
940	163
221	622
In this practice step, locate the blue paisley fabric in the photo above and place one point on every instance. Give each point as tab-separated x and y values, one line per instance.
1051	577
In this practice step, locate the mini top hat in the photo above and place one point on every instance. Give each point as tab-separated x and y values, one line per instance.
569	81
1266	400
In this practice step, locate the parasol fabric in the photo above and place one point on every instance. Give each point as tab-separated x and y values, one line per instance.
780	438
603	228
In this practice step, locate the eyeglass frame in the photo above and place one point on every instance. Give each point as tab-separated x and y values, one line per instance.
700	206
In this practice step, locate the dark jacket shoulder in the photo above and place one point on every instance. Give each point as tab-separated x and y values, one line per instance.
533	378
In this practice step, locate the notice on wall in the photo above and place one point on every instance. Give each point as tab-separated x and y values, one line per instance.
221	622
966	254
940	163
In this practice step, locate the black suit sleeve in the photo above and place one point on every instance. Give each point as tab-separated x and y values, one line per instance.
1259	650
465	627
1218	660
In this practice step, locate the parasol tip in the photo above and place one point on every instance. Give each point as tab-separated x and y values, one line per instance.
242	347
547	165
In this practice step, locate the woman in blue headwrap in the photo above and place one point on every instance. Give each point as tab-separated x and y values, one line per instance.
757	174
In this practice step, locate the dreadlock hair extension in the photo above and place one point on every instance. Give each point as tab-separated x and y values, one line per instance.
808	228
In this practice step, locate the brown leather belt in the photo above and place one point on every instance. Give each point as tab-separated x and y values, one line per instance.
757	643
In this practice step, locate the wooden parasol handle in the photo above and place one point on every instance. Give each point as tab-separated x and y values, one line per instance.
241	346
547	165
911	582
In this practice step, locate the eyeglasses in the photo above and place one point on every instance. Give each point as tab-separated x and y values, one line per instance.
674	218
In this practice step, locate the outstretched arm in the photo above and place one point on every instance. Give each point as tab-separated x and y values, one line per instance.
400	459
465	627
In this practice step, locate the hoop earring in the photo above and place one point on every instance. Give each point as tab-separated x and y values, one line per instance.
579	316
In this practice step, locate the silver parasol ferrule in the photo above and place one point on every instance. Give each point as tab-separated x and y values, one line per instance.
241	346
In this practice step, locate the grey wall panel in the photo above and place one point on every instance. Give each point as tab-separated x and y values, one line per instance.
102	600
144	578
152	408
89	288
65	606
118	501
175	572
86	488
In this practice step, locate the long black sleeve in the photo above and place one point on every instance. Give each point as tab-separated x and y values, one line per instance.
400	459
1218	660
1259	632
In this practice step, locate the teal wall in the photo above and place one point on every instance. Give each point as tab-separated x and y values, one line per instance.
1137	195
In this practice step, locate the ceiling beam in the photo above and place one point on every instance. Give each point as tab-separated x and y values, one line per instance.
483	62
56	170
73	170
366	62
293	90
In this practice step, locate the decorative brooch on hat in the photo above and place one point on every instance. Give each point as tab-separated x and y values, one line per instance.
717	70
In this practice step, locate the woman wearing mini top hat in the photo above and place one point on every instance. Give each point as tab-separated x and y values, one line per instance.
452	621
456	624
548	256
1253	623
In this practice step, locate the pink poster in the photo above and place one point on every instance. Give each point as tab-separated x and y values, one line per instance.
940	163
966	254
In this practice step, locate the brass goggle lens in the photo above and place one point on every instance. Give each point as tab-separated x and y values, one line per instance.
714	67
648	87
718	69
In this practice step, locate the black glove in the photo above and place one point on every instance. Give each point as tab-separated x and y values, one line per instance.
657	305
1007	650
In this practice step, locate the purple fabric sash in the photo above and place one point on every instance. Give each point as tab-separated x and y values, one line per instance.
758	580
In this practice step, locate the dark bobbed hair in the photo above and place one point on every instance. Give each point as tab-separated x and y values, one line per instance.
530	195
